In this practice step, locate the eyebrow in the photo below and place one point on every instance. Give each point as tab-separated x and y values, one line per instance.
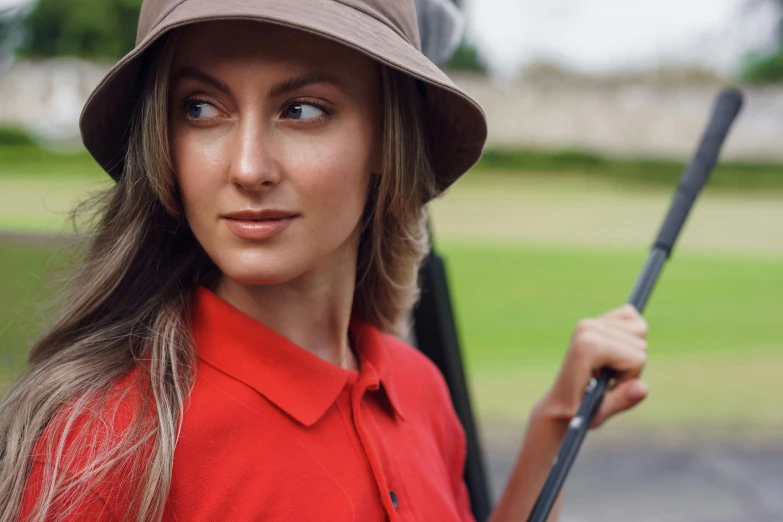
195	74
297	82
280	88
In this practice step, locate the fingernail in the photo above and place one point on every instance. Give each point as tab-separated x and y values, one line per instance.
638	390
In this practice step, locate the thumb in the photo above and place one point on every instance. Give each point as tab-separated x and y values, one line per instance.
623	396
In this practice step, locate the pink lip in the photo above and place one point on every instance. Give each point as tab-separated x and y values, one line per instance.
261	224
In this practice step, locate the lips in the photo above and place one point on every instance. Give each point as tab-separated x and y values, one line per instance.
259	215
258	224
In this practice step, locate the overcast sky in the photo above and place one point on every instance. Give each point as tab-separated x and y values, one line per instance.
10	3
600	35
607	35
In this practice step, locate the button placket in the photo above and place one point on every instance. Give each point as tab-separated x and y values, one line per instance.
357	395
377	426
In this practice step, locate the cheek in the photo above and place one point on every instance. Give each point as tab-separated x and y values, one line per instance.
336	183
198	164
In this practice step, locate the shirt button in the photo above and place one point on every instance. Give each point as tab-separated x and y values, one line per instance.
395	501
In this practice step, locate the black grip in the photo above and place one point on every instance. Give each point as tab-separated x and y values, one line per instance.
698	170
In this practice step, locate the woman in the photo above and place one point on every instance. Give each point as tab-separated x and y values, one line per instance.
220	355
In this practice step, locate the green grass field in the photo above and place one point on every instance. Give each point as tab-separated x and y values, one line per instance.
517	304
715	322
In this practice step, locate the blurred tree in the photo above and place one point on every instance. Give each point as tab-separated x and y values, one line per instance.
467	58
766	68
5	28
93	29
5	23
10	33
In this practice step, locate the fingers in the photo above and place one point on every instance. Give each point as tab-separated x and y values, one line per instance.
626	311
622	397
627	353
597	343
621	333
592	348
616	340
628	318
625	330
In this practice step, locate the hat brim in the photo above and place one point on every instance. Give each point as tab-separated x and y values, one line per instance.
457	124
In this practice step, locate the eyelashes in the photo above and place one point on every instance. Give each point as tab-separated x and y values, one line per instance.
194	109
192	105
300	105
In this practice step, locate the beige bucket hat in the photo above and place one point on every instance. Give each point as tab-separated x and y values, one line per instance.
385	30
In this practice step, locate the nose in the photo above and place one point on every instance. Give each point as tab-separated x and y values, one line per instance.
253	167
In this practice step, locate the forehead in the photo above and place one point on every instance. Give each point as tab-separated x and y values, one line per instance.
237	42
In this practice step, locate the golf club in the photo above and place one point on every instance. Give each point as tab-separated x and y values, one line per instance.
693	179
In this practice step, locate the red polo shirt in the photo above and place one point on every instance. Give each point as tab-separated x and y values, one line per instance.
273	432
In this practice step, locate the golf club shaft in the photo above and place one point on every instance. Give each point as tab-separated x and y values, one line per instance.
693	179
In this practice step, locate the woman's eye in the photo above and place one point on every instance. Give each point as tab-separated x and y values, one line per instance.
303	111
197	110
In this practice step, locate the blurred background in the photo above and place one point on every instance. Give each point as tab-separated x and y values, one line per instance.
594	107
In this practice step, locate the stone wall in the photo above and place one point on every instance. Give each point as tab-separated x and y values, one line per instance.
47	97
626	119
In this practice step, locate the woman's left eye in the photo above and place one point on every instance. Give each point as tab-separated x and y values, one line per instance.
303	111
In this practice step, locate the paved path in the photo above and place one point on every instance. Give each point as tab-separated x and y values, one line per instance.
687	482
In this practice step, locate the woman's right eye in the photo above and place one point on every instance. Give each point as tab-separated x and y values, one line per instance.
200	110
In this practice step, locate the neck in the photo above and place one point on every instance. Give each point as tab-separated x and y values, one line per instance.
313	310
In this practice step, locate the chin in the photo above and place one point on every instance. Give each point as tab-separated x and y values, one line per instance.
254	276
254	271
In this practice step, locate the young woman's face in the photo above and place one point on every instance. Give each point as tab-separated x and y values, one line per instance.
274	136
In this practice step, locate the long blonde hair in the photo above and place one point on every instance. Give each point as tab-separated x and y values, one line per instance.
128	307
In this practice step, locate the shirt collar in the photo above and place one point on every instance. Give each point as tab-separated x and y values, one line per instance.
295	380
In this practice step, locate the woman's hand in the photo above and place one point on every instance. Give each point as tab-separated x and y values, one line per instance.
615	339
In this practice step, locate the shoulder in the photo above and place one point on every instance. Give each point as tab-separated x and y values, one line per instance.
410	365
98	441
104	415
420	384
